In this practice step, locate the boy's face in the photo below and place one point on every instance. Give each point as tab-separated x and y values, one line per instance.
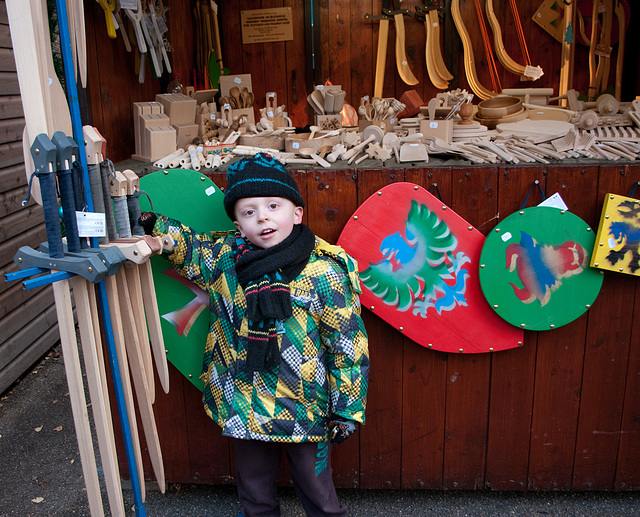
266	221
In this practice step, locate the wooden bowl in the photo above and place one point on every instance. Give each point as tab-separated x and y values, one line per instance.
498	107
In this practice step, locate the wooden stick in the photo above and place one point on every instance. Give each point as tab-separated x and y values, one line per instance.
153	321
96	381
62	297
134	285
123	365
136	365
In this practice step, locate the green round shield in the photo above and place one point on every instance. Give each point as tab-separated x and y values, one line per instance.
195	201
534	268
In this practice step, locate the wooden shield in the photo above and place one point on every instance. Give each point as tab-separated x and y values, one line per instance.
534	268
418	263
618	239
194	200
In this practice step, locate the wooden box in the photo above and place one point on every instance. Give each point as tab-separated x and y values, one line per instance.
180	108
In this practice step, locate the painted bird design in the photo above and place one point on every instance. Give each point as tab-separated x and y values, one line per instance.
418	268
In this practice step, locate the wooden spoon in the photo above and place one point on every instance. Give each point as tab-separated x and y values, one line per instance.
312	154
234	93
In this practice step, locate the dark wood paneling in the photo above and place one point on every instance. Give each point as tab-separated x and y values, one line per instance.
606	362
381	443
515	420
424	383
512	372
475	197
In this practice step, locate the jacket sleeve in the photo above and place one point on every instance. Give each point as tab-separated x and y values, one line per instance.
345	338
193	255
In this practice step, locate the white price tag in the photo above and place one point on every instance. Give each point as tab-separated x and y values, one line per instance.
210	191
237	80
91	224
433	125
555	201
295	145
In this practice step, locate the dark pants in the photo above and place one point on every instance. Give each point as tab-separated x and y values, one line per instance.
257	466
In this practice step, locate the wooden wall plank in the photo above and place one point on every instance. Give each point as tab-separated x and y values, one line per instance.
205	441
513	371
336	45
380	442
424	383
32	237
11	154
11	107
14	316
30	331
22	221
361	42
12	177
606	361
276	65
9	83
298	86
173	430
5	37
561	358
331	201
627	476
32	353
11	129
11	201
7	61
468	376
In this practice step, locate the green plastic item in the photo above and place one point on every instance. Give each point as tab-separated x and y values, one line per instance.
194	200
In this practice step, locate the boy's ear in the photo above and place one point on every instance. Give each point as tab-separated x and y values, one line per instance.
239	229
297	215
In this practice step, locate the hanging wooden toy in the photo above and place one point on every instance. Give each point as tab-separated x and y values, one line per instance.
618	239
195	201
418	263
534	268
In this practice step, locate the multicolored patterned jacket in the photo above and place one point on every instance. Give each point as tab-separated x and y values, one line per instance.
324	369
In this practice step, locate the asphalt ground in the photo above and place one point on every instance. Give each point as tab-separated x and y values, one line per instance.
41	474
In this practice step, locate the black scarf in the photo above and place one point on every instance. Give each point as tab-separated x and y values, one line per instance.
265	274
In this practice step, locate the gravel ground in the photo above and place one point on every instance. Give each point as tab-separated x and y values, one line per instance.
41	475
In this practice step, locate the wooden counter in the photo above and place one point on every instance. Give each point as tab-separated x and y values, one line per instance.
559	413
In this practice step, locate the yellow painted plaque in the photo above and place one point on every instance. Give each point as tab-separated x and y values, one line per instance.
267	25
618	238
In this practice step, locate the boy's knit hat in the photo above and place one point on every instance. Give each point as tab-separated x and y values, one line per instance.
260	175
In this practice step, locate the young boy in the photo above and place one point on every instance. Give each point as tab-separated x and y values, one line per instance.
286	359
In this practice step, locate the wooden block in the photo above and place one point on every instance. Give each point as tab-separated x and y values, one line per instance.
386	125
226	82
439	128
139	109
329	122
185	133
180	108
249	112
413	102
145	121
161	141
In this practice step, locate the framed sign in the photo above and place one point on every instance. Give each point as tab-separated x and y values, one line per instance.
266	25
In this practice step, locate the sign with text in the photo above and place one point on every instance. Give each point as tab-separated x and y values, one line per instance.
267	25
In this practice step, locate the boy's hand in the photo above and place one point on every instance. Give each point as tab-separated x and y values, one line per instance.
340	430
147	221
